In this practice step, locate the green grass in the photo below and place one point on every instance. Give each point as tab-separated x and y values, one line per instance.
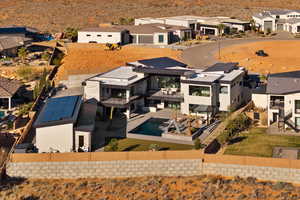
258	143
129	144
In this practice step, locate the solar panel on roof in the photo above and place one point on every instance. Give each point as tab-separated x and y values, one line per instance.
59	108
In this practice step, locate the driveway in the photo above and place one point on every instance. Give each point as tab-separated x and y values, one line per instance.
202	56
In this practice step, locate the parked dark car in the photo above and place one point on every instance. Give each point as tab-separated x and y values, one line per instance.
25	148
261	53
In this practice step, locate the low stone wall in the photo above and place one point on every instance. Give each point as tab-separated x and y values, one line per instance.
132	164
106	169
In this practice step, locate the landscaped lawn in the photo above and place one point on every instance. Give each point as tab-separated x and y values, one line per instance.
129	144
258	143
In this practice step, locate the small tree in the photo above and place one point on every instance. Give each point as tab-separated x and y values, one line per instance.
113	145
22	53
253	25
71	33
221	28
154	147
198	144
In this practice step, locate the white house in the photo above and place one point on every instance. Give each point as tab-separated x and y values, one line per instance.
103	35
160	83
278	20
65	124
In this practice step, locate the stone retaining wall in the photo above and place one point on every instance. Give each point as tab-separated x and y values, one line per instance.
105	169
160	163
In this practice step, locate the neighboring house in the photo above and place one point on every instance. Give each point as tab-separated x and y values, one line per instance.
9	89
103	35
65	124
157	34
160	83
198	24
9	45
283	95
278	20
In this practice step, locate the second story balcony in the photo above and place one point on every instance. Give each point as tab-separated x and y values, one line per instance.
276	102
168	94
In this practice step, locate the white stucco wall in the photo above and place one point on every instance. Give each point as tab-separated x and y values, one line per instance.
260	100
224	99
200	100
185	23
99	37
92	90
87	140
58	137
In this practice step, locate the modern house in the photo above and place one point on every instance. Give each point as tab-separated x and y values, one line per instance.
281	98
156	34
198	24
278	20
103	35
65	124
9	89
152	84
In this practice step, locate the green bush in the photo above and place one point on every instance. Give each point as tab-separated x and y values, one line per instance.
113	145
198	144
154	147
234	126
25	108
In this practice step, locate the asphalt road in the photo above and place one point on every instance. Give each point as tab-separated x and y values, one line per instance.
203	56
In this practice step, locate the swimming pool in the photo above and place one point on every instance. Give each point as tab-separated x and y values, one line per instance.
150	127
2	114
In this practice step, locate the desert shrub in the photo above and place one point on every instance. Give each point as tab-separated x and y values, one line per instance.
198	144
113	145
22	53
26	73
154	147
71	34
46	56
126	21
25	108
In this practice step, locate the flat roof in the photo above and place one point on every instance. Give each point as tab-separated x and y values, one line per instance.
232	75
284	83
103	29
160	63
122	76
222	67
60	110
202	77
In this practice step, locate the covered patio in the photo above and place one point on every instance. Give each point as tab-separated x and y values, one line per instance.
8	90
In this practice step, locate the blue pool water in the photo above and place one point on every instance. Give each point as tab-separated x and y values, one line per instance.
2	114
150	127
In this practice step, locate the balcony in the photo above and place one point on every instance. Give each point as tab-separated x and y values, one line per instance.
167	94
120	102
276	104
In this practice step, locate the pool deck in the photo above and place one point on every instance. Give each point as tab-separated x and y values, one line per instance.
139	119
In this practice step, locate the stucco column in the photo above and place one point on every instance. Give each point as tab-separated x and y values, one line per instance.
127	95
127	113
9	103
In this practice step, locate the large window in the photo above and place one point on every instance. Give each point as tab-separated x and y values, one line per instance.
118	93
168	82
161	38
297	122
298	29
297	106
224	90
199	91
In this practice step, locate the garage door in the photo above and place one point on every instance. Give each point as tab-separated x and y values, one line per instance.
268	25
146	39
279	27
133	39
209	31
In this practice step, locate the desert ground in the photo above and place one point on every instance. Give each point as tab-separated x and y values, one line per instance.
56	15
150	188
93	59
283	56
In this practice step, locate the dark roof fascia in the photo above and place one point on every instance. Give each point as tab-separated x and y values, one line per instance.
174	99
197	82
123	87
285	93
55	123
160	71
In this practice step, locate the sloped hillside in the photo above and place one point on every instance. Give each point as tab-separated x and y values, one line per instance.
54	15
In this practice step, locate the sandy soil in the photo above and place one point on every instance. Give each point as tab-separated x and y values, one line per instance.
283	56
93	59
150	188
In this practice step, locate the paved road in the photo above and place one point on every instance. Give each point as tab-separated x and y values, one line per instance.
202	56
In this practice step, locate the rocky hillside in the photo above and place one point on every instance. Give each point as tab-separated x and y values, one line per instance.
149	188
55	15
